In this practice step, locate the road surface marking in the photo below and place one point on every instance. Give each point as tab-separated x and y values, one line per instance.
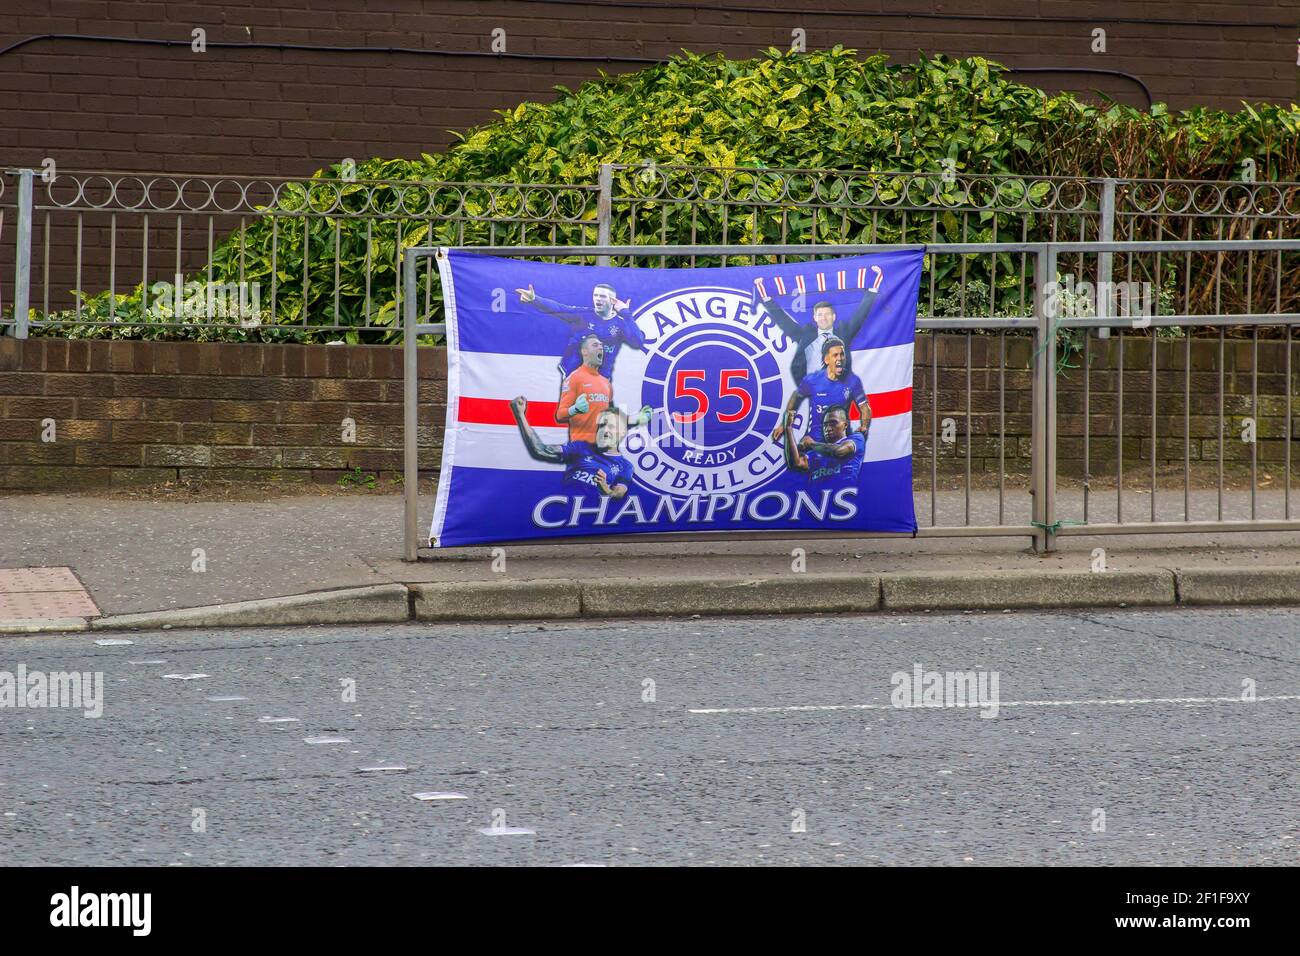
811	708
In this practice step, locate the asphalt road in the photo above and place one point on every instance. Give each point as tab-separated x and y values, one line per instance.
547	724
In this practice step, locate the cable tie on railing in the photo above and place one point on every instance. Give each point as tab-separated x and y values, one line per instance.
1055	526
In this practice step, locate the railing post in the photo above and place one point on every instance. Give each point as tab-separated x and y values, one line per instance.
604	208
1105	260
23	254
410	410
1043	418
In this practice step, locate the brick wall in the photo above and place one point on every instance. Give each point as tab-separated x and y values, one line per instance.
92	105
143	412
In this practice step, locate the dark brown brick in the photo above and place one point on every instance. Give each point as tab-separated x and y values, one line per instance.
145	386
79	384
22	383
52	477
127	477
40	407
122	455
128	409
217	433
193	456
146	432
263	412
36	453
227	456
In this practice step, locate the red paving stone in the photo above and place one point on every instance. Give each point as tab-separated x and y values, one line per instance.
33	594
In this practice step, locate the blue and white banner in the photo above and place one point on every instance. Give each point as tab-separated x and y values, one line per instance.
587	400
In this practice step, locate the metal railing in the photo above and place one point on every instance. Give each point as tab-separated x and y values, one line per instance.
1057	310
321	256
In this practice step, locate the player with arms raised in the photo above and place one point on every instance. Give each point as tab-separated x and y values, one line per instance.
607	319
589	466
835	460
810	339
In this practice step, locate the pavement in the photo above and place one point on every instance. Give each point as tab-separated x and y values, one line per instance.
335	558
1140	737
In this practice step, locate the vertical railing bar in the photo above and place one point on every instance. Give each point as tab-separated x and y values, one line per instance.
1154	430
1221	423
275	264
934	427
1002	424
243	247
1187	384
179	278
370	238
1155	342
695	224
1187	424
112	267
993	272
338	252
604	208
144	268
80	292
1087	423
23	254
969	435
1218	280
306	263
45	281
1043	439
1119	432
1277	307
410	410
1254	414
934	264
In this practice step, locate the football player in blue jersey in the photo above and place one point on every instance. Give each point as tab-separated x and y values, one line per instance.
590	467
835	460
607	318
833	385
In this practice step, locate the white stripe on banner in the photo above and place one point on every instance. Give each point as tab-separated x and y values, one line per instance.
886	369
504	375
500	446
537	377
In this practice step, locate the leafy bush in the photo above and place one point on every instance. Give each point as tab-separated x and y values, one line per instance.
825	109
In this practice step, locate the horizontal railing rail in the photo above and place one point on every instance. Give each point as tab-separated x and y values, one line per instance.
152	254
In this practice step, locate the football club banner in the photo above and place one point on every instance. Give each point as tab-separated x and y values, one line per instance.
587	400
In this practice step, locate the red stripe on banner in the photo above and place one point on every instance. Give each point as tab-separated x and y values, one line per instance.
884	404
496	411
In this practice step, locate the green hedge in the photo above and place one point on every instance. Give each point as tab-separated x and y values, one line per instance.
826	109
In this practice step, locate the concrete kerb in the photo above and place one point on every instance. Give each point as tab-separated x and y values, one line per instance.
794	593
374	604
496	600
1201	586
659	597
52	625
941	590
